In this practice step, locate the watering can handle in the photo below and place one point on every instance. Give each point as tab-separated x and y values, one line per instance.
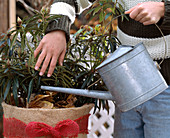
165	43
157	65
157	28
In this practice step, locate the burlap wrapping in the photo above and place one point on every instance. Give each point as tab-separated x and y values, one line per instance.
47	116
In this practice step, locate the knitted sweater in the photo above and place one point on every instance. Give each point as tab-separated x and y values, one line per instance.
150	35
129	32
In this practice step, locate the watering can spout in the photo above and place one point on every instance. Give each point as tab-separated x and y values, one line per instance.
106	95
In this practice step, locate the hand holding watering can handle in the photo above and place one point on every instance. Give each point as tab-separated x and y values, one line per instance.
158	65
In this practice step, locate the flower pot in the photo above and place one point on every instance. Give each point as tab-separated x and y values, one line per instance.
51	123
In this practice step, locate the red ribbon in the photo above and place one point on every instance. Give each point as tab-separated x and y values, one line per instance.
66	128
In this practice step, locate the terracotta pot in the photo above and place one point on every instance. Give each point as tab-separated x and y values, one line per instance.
50	117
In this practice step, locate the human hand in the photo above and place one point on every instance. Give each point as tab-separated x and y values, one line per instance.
147	12
52	48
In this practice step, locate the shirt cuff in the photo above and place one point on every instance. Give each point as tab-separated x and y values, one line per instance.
63	23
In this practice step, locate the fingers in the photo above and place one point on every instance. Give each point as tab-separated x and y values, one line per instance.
40	59
45	58
53	45
54	62
52	66
130	10
147	12
146	18
134	13
45	64
38	49
61	58
151	21
137	12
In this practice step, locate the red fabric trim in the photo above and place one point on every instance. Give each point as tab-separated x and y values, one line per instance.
14	128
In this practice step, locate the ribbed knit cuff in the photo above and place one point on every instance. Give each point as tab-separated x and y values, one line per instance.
63	23
166	21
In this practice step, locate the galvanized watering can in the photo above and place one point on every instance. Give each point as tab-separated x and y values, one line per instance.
130	75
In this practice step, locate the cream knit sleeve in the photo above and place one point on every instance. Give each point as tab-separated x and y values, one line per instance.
67	9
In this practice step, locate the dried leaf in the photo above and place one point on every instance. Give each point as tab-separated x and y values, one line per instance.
71	99
45	104
36	99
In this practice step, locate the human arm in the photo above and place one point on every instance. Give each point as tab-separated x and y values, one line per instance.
53	44
151	13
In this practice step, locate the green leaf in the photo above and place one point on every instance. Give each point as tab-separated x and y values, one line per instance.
107	15
3	84
30	88
114	9
1	109
91	10
107	106
103	104
9	42
29	63
39	24
6	70
29	47
10	53
15	90
95	106
33	19
100	104
80	75
23	36
22	75
107	5
97	9
7	88
85	83
101	16
24	87
14	40
38	82
90	79
78	32
101	3
2	81
2	42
